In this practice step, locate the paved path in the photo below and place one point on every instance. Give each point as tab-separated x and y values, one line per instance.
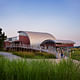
9	55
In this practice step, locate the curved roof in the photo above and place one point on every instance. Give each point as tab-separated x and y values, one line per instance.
64	41
48	42
36	38
58	42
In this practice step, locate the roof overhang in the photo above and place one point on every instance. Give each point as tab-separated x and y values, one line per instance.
64	42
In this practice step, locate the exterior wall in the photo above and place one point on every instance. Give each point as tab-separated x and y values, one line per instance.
7	43
64	45
11	39
24	40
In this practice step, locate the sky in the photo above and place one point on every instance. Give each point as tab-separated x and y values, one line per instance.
61	18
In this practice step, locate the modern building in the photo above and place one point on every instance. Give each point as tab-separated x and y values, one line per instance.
37	41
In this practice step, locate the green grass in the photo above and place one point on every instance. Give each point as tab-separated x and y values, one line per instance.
75	54
35	55
1	56
38	70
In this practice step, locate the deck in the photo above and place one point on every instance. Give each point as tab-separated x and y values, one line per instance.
26	48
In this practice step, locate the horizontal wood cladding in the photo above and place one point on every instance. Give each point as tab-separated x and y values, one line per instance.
64	45
58	45
24	39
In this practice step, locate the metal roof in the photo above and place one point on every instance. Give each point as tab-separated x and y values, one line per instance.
64	41
58	42
36	38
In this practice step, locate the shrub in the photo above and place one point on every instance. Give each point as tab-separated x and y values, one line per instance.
75	55
34	55
25	54
48	55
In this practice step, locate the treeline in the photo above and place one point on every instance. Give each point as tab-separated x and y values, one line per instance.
2	38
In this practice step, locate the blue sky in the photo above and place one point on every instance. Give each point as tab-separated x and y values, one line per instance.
58	17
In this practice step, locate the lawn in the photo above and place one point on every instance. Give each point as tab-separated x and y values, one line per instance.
38	70
75	54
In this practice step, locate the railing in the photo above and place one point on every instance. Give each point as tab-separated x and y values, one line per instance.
30	47
22	46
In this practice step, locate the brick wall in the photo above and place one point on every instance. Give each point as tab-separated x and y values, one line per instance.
24	40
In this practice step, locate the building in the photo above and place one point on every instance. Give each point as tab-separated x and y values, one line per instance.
37	41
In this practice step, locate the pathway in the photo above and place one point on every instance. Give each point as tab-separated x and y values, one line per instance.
9	55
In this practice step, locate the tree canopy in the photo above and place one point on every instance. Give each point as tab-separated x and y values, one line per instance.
2	38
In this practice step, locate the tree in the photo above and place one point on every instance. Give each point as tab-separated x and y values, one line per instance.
2	38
